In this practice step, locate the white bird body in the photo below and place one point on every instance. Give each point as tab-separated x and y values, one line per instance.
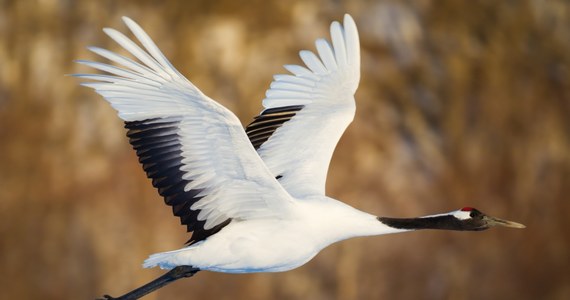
242	247
255	199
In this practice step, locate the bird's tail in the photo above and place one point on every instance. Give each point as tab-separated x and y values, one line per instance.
165	260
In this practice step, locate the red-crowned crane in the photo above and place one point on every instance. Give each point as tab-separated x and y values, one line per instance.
253	199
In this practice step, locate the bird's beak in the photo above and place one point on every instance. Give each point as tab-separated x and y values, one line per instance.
500	222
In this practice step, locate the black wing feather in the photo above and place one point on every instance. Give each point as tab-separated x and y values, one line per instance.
265	124
158	147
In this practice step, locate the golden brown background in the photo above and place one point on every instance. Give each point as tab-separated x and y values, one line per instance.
461	103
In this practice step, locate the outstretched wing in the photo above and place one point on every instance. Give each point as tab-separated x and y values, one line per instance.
306	113
194	149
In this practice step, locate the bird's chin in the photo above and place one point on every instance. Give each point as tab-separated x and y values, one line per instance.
481	228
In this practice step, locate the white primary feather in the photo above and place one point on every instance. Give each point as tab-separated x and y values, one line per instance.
216	154
301	149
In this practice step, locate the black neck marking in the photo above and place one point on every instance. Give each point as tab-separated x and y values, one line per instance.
265	124
444	222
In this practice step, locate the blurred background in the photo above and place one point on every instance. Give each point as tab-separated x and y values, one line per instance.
461	103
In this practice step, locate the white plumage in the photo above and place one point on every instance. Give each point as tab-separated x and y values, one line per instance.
218	159
254	199
301	150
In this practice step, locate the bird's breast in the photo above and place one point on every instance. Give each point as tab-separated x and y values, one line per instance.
256	246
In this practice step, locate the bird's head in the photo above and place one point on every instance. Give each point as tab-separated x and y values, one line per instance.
474	220
465	219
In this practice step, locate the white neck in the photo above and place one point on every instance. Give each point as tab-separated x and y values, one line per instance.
333	221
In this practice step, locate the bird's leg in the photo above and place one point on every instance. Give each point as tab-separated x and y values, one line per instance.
170	276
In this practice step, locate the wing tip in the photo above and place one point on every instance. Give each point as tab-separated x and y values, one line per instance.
132	25
352	39
348	18
127	20
110	32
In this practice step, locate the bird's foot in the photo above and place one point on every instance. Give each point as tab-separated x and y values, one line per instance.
183	271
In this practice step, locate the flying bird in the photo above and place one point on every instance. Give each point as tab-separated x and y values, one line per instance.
253	199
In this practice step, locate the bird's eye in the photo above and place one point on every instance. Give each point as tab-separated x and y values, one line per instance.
474	213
